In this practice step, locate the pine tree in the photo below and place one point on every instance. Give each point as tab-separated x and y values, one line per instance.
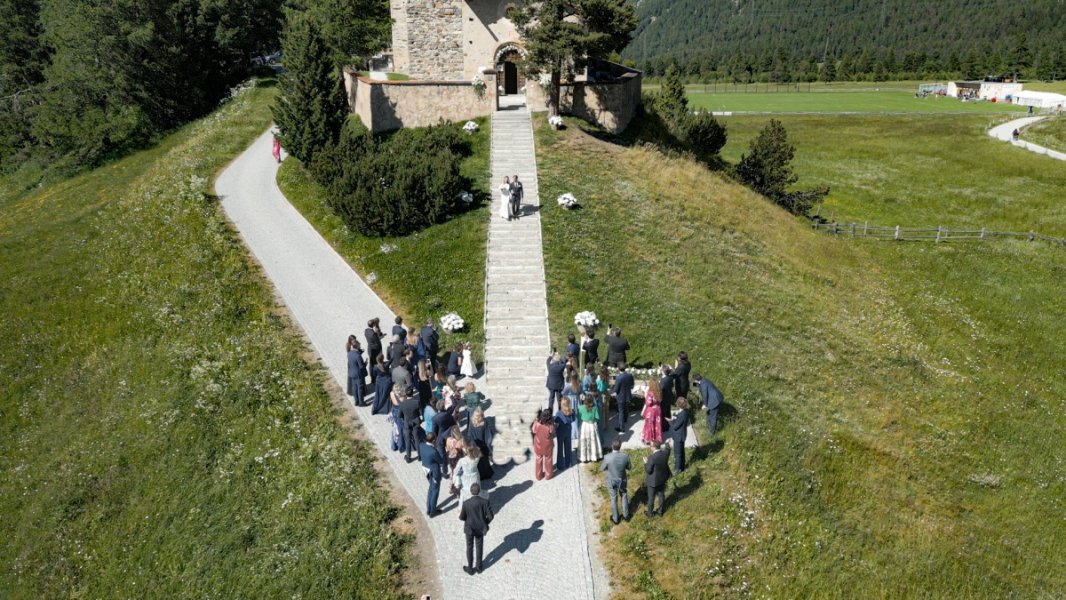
765	168
312	106
672	99
562	36
829	70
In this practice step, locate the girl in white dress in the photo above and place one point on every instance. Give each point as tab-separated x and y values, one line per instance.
505	198
468	368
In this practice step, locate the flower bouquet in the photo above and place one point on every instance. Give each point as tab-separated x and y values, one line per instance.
452	322
585	320
466	197
479	85
471	126
567	200
556	122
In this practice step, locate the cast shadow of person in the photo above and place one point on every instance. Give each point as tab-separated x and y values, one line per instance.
519	540
503	494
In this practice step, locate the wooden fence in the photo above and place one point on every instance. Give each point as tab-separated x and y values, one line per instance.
929	234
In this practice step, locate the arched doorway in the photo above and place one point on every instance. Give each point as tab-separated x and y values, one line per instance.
510	77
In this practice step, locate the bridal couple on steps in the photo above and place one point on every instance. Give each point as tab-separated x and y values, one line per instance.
511	194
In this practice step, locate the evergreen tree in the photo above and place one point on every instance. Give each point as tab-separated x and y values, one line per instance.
351	28
1021	58
765	168
672	99
562	36
829	70
312	106
23	57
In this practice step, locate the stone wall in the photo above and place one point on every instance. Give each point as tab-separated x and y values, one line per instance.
610	100
485	29
427	38
387	105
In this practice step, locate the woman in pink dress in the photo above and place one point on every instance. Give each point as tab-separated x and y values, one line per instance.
276	148
653	414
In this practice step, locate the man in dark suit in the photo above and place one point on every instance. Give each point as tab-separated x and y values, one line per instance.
431	340
592	349
571	345
401	374
616	347
681	373
623	393
373	336
433	463
477	513
395	351
517	194
667	385
678	434
617	465
399	329
555	382
657	466
356	373
411	414
711	398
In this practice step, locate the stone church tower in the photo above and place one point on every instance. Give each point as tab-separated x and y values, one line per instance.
449	40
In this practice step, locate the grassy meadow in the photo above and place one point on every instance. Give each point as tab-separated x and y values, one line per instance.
161	434
858	101
426	274
1049	133
895	411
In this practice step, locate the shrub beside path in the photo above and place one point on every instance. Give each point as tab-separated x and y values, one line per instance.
538	544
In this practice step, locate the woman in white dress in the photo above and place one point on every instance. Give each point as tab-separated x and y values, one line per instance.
505	198
468	368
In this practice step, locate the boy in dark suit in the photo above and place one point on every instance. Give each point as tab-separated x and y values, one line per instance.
477	513
679	433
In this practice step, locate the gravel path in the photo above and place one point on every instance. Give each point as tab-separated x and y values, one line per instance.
536	547
1005	132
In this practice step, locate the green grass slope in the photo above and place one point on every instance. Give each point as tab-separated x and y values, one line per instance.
435	271
161	435
826	101
1049	133
895	411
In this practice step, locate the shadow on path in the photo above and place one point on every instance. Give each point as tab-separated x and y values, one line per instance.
519	540
503	495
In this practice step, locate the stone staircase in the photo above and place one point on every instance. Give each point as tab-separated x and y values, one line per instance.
516	311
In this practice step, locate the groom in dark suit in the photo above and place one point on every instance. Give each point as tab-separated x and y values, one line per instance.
623	393
517	194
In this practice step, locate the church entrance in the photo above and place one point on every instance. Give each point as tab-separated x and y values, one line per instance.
509	77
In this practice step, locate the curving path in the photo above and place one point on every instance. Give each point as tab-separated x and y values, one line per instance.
537	547
1005	132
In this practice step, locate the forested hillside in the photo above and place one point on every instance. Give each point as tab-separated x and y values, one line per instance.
783	40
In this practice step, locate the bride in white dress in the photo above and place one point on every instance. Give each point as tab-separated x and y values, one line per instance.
505	199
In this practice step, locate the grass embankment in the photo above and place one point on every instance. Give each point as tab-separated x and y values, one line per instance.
896	410
851	101
435	271
162	436
919	171
1049	133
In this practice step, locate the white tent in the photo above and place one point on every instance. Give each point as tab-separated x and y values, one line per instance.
1040	99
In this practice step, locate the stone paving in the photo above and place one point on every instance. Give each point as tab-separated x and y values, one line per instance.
538	545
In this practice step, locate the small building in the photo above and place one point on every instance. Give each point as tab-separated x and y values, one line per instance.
1041	100
993	91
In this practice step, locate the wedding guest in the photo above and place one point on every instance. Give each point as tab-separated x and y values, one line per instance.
588	382
601	412
373	335
428	412
411	415
480	433
617	346
472	398
398	330
452	395
382	388
413	344
468	368
591	348
439	382
573	393
571	370
454	449
476	513
424	385
652	414
666	384
396	398
565	423
555	382
356	371
617	465
681	370
623	393
603	382
589	448
657	467
430	342
401	376
543	430
395	351
572	349
711	398
432	463
455	359
466	472
442	422
678	434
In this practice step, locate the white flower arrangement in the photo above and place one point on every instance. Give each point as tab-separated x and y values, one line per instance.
567	200
387	248
466	197
556	121
586	318
452	322
371	278
479	85
470	127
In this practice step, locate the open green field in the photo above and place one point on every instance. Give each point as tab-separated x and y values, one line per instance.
868	101
423	275
896	411
1049	133
161	435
